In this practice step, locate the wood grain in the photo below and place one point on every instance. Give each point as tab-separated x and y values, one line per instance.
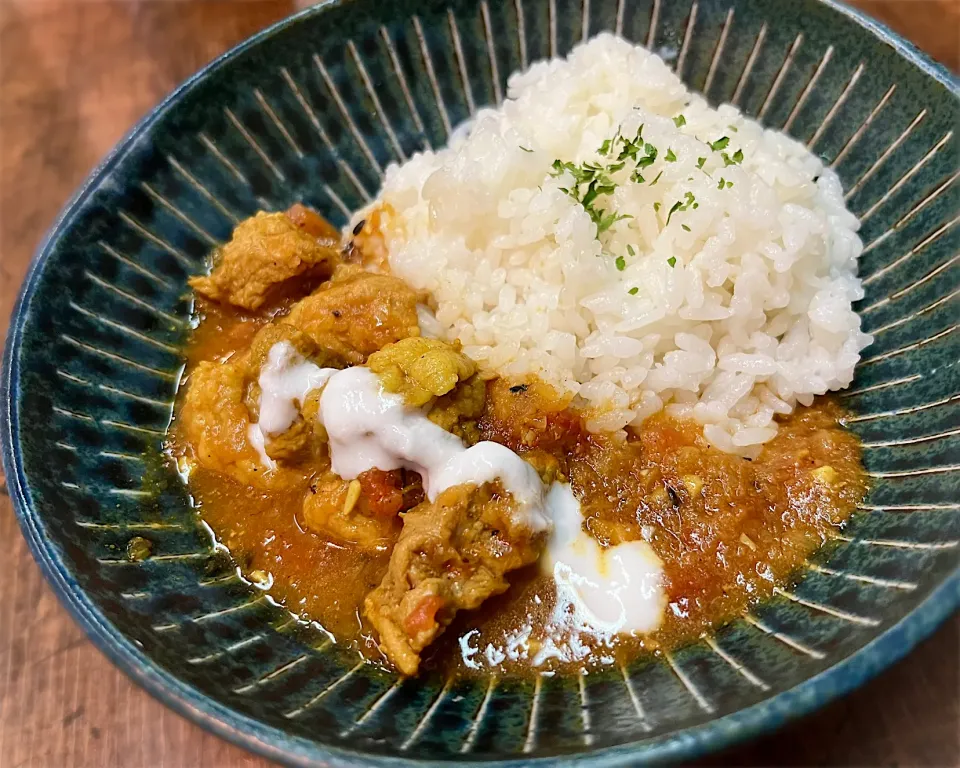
74	76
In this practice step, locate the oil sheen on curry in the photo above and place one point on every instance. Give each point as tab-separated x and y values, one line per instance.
371	478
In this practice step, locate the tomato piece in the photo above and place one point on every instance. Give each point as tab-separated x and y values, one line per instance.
423	618
382	493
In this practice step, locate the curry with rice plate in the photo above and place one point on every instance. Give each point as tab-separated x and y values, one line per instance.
559	396
599	546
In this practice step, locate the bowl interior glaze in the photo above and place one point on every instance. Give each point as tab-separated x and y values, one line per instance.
314	110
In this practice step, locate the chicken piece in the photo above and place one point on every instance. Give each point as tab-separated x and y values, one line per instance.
305	440
529	414
364	511
357	313
274	333
216	423
420	369
265	252
452	555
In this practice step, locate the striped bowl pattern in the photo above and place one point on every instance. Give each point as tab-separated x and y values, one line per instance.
314	110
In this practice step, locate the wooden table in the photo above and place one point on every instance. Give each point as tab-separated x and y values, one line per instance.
74	76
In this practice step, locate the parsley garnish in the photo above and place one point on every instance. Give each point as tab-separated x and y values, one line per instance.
737	158
679	120
597	183
656	206
676	207
606	220
631	147
654	182
671	158
720	143
701	161
672	261
621	263
680	205
592	180
684	226
720	185
631	251
634	291
525	149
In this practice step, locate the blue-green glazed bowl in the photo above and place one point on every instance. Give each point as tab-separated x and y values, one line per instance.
313	110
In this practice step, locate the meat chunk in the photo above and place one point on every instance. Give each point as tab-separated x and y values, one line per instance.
529	414
364	511
452	555
305	439
274	333
357	313
265	252
216	423
420	369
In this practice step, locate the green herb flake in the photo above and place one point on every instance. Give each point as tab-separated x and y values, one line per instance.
605	147
733	128
671	158
637	177
656	206
721	183
701	161
631	251
679	121
737	158
720	143
672	261
729	184
676	207
634	291
685	227
621	263
606	220
654	182
525	149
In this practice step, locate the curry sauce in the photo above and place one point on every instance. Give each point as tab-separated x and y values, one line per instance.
727	529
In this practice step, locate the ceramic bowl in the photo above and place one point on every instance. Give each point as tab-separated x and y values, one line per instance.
314	109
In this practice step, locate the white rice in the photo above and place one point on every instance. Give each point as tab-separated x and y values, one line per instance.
753	317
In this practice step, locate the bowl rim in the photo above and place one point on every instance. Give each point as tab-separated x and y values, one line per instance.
275	744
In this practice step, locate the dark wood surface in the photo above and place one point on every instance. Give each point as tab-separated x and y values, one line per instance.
74	76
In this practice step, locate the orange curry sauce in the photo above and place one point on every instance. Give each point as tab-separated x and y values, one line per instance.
727	529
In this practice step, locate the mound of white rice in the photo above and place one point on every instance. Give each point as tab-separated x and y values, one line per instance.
735	311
